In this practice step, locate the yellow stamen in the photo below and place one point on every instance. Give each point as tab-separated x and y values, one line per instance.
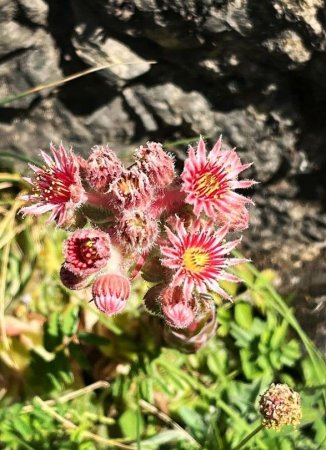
207	184
195	259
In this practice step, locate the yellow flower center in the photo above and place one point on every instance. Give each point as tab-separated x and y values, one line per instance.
137	222
195	259
207	184
126	186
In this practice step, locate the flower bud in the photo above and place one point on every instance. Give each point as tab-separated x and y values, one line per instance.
237	219
103	166
110	293
136	230
72	281
197	334
152	270
280	405
131	189
87	251
177	311
156	164
152	300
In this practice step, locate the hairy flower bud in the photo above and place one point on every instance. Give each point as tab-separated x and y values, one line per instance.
178	312
156	164
197	334
152	300
72	281
152	269
136	230
110	293
280	405
131	189
87	251
237	219
103	166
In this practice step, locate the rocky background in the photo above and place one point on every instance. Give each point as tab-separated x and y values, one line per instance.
250	69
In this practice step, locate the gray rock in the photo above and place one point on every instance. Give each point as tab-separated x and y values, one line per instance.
49	122
35	66
290	44
14	37
7	10
172	106
96	47
111	123
307	12
99	51
35	10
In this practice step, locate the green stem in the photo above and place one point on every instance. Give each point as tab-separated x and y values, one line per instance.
248	437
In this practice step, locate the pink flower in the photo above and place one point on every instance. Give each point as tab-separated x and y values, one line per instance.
131	189
210	181
198	257
103	166
56	187
156	164
178	311
137	230
110	293
87	251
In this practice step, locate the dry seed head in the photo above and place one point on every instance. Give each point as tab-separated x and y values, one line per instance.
280	405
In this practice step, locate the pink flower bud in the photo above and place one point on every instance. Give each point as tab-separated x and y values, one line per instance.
110	293
72	281
156	164
237	219
137	230
178	312
131	189
197	334
103	166
87	251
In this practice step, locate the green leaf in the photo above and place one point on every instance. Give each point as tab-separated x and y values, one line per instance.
265	278
52	332
243	315
279	335
128	423
242	337
22	426
69	320
191	418
93	339
162	438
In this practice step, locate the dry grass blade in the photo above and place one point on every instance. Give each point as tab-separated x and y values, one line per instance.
72	395
3	278
7	233
72	77
165	418
68	425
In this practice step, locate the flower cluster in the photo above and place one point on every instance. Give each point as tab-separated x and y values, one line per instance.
146	220
280	405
